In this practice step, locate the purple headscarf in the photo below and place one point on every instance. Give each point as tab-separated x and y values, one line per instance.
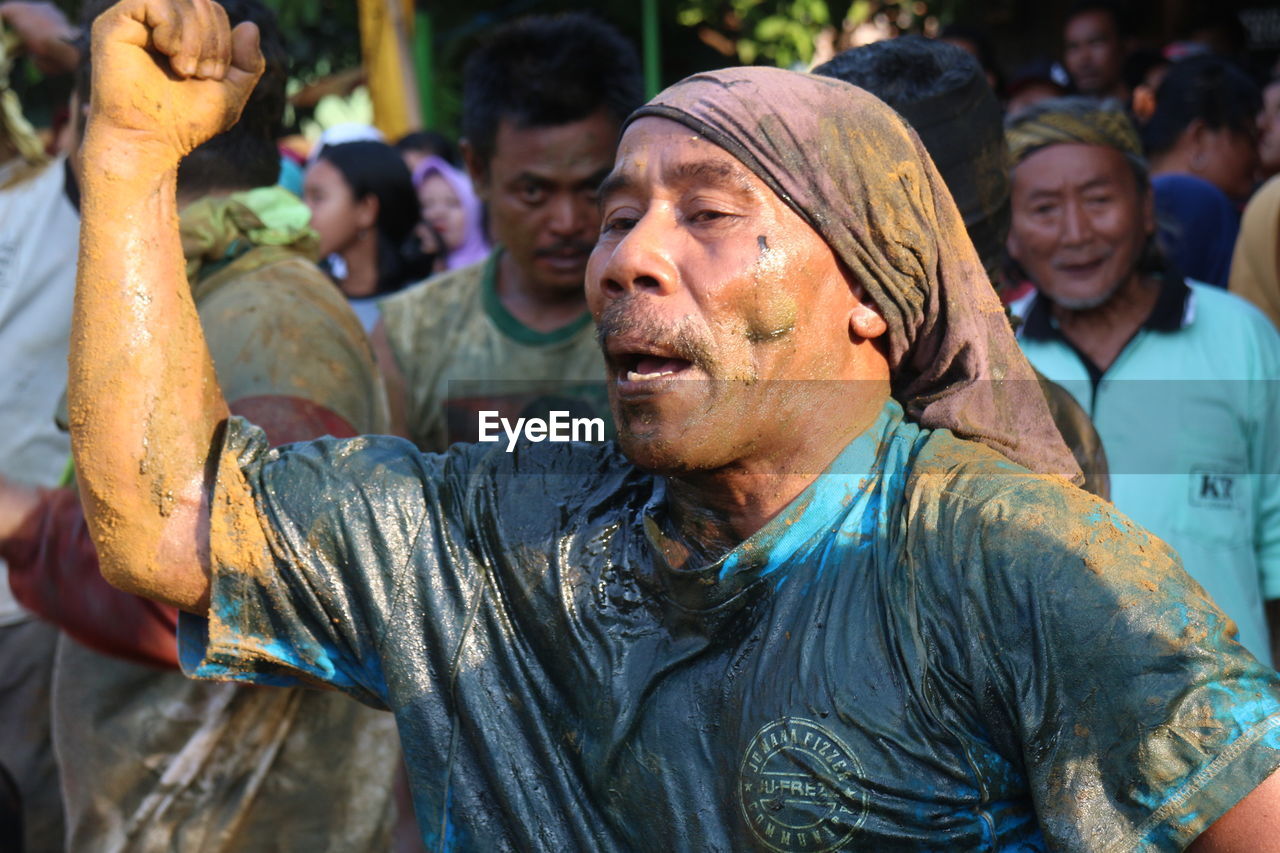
474	246
859	176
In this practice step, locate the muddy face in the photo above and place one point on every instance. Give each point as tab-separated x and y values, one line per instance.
713	300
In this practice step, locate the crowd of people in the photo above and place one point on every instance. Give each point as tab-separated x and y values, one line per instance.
940	506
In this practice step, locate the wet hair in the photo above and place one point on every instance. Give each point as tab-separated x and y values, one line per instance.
430	142
1118	19
1208	88
376	169
244	156
543	71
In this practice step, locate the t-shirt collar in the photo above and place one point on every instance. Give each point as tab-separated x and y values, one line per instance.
508	323
1171	312
837	495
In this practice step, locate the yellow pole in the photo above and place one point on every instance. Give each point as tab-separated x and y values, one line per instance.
385	45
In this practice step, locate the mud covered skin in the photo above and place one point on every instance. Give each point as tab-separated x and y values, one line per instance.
860	177
733	339
144	400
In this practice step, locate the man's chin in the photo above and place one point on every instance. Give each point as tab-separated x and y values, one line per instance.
653	440
556	276
657	455
1086	298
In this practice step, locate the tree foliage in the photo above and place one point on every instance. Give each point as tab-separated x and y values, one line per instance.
791	33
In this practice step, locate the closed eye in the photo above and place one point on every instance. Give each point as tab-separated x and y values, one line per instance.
618	223
703	216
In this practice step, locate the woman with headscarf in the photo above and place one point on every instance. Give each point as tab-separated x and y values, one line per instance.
450	207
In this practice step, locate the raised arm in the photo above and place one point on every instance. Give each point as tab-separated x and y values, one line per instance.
145	404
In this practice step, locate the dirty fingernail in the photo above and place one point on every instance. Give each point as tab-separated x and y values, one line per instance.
185	65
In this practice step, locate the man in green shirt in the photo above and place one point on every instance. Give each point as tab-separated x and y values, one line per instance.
542	103
830	588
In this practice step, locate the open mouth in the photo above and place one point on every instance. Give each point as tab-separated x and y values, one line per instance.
1082	269
643	367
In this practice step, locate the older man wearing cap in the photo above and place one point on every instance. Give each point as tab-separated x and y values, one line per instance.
811	601
1180	378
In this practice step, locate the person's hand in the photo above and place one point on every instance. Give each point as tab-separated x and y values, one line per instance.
45	35
16	503
169	74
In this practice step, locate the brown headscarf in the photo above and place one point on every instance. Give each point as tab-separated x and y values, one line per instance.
858	175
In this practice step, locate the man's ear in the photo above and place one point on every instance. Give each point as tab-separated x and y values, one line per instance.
865	320
1012	246
477	169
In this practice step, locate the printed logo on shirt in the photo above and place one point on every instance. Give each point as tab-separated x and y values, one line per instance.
797	787
1213	489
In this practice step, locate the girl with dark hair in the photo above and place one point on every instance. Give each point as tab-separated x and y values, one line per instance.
364	207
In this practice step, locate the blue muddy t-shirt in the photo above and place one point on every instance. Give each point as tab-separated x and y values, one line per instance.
930	649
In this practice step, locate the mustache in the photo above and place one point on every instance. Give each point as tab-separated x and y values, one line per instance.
683	339
581	247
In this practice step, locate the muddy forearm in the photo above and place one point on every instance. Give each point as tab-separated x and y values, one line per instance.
145	404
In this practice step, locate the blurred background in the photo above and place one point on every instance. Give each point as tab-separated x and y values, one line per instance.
397	63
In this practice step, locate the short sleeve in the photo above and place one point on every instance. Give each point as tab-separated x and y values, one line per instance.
1102	669
304	588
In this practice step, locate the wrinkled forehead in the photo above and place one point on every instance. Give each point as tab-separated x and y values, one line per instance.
657	151
1073	166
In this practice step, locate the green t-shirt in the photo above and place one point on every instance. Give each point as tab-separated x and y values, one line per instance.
929	649
462	352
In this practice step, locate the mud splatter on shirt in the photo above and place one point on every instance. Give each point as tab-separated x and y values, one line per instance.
931	648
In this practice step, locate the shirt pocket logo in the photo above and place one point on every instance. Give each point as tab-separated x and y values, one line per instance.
797	787
1214	489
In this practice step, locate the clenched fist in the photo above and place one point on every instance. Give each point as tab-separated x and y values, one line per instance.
169	74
